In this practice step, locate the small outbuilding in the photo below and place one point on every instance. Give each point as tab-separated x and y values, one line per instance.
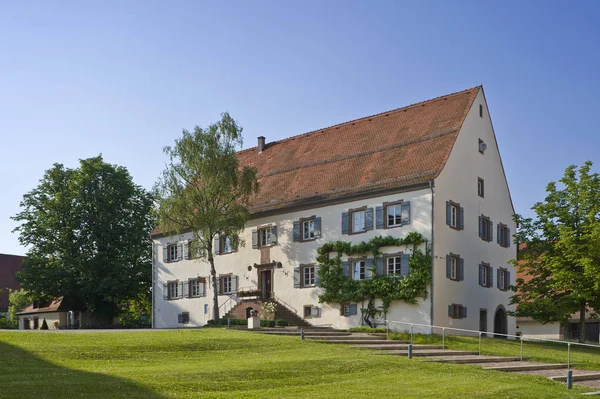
59	313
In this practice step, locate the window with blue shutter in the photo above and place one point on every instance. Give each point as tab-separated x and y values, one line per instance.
254	238
264	237
346	223
217	246
357	221
296	232
455	267
457	311
307	229
346	269
503	235
486	228
379	266
455	215
405	267
393	214
486	272
379	224
296	277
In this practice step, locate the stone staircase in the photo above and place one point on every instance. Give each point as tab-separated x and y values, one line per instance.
281	312
378	345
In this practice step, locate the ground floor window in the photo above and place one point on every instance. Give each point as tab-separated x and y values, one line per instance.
183	318
457	311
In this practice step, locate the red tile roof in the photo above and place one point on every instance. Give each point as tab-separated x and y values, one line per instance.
9	266
55	305
393	149
398	148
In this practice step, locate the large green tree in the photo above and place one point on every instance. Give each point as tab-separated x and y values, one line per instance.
562	258
87	230
204	190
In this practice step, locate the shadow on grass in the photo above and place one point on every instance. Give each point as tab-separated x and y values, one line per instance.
25	375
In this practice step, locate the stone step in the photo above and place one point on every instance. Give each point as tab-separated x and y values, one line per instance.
527	367
403	349
429	353
309	333
476	359
361	342
577	377
344	337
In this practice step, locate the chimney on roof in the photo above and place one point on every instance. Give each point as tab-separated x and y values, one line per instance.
261	144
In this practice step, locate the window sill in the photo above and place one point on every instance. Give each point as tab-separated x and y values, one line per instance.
353	233
308	286
395	226
309	239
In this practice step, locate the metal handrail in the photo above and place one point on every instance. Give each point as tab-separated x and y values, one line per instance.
284	303
480	333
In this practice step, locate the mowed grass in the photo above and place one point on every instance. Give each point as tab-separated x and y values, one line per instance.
219	363
582	357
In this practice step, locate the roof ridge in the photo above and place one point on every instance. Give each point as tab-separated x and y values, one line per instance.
362	119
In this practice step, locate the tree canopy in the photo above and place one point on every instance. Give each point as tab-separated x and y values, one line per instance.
562	255
87	230
204	190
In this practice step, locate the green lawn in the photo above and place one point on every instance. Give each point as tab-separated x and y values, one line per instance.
218	363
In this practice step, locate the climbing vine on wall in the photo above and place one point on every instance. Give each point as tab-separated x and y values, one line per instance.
339	288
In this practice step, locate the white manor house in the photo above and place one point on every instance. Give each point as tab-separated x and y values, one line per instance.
432	168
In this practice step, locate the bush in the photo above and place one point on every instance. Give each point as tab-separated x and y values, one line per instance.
267	323
44	325
223	322
6	323
55	324
282	323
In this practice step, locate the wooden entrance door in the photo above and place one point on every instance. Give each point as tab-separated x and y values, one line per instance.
266	280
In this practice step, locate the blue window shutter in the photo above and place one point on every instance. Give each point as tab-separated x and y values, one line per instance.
480	227
296	232
404	268
273	234
379	266
165	291
405	209
491	231
461	267
480	273
318	227
317	275
186	288
491	277
461	218
217	245
206	308
165	253
296	277
379	218
463	312
448	214
507	280
234	283
369	219
180	290
179	251
186	250
345	223
448	266
498	235
450	313
368	269
508	237
254	238
346	269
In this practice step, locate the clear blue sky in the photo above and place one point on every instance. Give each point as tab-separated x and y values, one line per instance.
122	78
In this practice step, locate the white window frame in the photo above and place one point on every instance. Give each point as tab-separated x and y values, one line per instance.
226	245
173	289
172	252
308	276
308	229
396	214
454	216
361	226
226	284
359	270
502	279
264	237
396	266
484	275
453	267
195	288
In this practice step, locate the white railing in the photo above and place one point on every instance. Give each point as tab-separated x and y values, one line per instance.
521	338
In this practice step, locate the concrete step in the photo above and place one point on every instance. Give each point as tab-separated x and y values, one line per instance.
577	377
403	349
430	353
306	333
363	343
344	337
477	359
527	367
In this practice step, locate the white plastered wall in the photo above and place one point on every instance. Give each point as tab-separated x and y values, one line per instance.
458	182
291	255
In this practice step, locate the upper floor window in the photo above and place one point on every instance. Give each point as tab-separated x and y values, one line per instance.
480	187
394	265
482	146
226	284
308	276
359	271
173	287
486	275
357	220
264	237
454	215
396	214
224	245
307	229
480	110
485	228
173	252
503	279
503	235
196	288
454	267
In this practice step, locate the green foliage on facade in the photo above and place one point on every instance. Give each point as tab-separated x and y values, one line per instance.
338	288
